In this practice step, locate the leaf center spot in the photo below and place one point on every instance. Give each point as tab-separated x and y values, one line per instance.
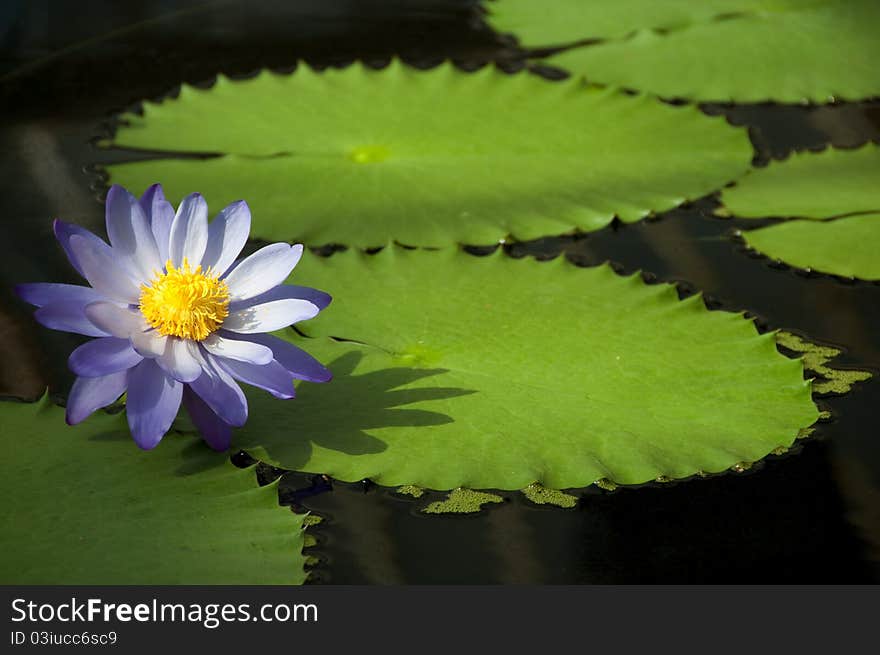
418	354
369	154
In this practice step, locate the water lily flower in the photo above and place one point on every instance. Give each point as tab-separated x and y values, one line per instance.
178	319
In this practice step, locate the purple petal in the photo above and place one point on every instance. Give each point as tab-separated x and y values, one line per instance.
130	324
40	294
298	362
101	268
221	345
152	403
263	270
63	232
148	342
178	361
227	235
272	377
113	319
89	394
103	356
270	316
130	234
216	433
160	214
283	292
68	316
217	388
189	231
44	293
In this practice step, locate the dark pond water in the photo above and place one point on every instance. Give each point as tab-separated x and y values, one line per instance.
810	516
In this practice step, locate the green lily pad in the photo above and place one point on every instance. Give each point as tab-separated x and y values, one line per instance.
82	505
792	51
810	185
365	157
833	183
845	246
536	25
491	372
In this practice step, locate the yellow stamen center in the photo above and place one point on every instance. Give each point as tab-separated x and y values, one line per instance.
184	302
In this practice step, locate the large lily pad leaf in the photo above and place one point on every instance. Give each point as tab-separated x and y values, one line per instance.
793	52
845	246
810	185
365	157
82	505
537	24
833	183
489	372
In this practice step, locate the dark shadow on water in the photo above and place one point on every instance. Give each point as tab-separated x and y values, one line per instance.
338	415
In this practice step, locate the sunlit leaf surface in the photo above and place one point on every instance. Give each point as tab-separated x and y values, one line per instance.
558	22
843	185
810	185
845	246
364	157
491	372
734	50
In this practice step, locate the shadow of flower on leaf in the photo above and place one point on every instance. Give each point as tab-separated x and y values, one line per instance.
195	456
338	415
